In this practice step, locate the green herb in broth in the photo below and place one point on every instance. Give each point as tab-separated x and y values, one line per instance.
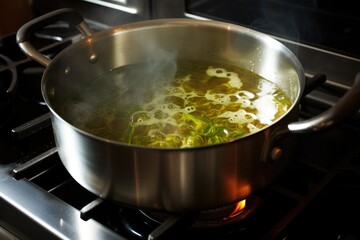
197	103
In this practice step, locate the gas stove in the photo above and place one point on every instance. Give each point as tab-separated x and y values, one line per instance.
316	197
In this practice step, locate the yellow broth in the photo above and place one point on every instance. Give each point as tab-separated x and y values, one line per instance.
175	105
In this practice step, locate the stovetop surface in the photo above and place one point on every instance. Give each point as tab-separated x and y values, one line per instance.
316	197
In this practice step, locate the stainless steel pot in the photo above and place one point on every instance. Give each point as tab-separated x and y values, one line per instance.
177	180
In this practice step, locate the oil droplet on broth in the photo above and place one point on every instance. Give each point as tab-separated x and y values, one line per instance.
200	103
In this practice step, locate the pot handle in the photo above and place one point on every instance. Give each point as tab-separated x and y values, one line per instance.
346	106
65	14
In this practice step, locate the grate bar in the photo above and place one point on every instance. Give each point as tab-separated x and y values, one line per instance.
21	170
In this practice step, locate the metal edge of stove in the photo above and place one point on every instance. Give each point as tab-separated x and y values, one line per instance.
20	194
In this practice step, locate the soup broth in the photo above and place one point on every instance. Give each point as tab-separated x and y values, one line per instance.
175	105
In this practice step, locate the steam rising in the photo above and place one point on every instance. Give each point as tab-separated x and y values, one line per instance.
136	86
131	87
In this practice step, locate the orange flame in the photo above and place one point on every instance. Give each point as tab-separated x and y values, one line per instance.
239	207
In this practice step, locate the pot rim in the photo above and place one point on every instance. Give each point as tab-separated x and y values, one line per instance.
166	23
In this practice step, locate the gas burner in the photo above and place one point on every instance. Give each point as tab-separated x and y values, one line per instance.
213	218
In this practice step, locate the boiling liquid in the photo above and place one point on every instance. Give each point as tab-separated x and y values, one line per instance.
186	104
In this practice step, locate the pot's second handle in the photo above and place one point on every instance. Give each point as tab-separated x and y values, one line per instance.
346	106
65	14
